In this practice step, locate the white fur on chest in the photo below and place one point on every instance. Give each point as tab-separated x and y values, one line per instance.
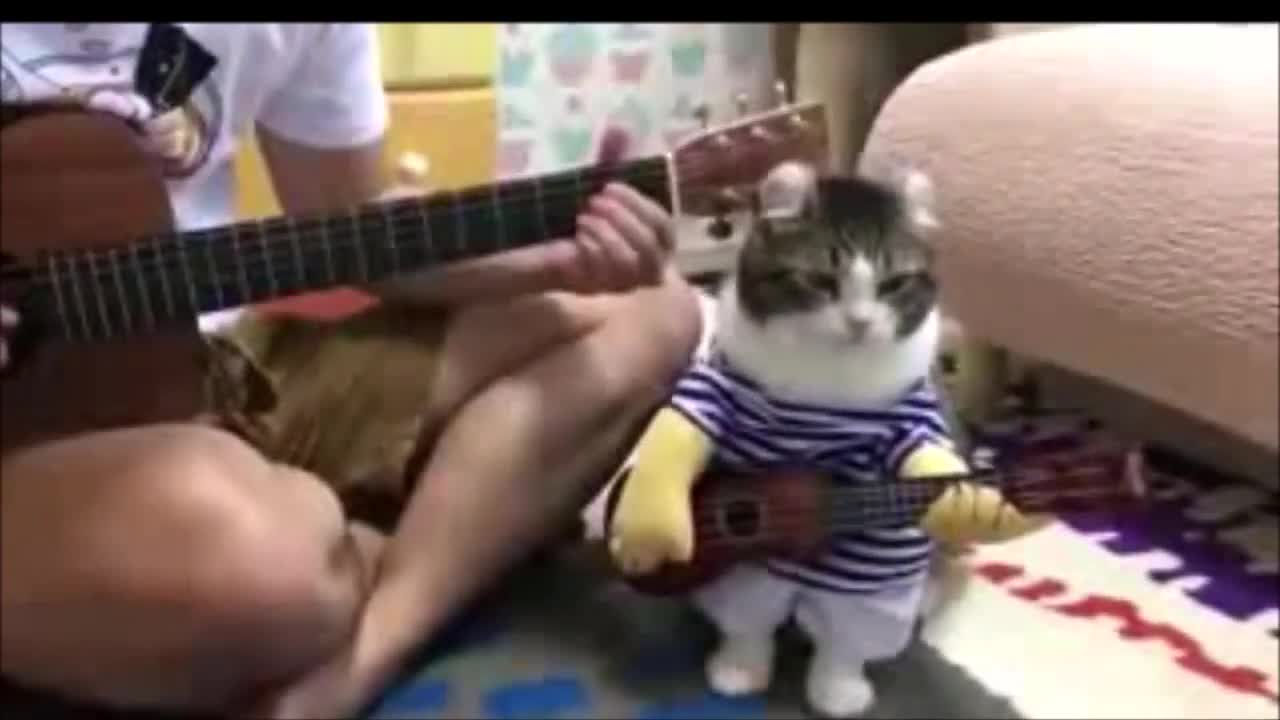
804	369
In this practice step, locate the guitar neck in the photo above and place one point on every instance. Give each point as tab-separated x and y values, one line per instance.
899	502
171	279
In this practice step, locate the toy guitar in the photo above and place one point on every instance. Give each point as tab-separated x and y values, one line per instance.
791	513
110	293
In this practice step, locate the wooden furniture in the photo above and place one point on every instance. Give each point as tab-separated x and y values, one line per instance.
439	78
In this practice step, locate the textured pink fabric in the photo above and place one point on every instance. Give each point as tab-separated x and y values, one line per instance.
1109	202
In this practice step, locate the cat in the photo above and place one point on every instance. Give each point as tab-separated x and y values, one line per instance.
830	313
345	401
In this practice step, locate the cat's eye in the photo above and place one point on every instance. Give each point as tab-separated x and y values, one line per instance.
893	284
833	256
823	282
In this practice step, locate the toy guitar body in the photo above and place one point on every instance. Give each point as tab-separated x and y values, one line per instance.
790	513
109	293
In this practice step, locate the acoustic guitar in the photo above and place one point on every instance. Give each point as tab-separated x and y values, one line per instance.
792	512
109	292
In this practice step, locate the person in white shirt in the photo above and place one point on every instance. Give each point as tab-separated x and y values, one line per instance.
211	579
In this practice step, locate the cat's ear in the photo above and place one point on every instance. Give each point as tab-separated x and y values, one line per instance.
919	202
788	192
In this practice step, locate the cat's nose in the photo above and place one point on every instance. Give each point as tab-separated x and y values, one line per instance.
857	324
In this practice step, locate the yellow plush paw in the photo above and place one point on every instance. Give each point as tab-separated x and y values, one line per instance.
653	522
652	525
967	513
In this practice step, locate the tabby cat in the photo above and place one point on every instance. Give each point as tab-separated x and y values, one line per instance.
826	337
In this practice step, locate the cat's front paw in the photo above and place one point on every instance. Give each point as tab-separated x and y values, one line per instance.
839	692
741	666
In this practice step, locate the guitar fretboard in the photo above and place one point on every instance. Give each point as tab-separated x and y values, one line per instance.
897	503
159	281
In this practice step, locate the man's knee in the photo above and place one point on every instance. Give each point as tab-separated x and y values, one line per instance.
652	334
286	582
218	568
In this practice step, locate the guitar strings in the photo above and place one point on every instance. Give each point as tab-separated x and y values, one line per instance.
173	255
166	251
711	535
854	503
169	252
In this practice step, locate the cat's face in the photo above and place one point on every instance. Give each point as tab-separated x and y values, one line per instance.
838	259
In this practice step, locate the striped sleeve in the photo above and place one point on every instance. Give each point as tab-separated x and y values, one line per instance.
925	425
701	395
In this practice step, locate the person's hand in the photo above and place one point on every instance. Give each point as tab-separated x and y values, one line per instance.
623	238
8	323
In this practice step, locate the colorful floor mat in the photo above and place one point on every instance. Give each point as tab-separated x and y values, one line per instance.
1170	613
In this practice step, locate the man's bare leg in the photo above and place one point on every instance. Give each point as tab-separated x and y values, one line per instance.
175	566
528	445
168	566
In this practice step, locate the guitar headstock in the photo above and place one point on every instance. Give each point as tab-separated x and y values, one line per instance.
716	170
1090	478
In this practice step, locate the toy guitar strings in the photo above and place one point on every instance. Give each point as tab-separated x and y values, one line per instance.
792	512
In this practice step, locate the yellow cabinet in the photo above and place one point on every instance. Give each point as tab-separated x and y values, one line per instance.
440	89
426	55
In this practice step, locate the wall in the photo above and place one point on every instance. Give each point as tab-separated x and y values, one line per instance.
560	85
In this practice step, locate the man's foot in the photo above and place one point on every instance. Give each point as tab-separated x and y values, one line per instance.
838	691
741	665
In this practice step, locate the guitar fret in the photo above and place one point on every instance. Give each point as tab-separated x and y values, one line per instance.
268	262
120	293
75	290
362	263
577	199
95	278
299	260
327	243
140	282
460	232
246	288
541	209
392	245
428	240
499	229
162	273
181	249
55	281
214	274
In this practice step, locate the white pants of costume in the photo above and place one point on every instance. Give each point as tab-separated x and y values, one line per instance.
851	629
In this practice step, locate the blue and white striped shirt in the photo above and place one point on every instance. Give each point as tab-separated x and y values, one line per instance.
753	432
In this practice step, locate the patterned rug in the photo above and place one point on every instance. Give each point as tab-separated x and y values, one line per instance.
1171	613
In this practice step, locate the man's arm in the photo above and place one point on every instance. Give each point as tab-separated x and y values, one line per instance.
329	121
322	138
352	175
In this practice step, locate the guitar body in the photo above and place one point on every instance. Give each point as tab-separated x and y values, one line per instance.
743	518
74	180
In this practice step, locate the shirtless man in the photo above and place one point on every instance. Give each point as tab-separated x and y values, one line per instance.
266	605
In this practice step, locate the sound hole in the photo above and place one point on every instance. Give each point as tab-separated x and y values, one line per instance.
741	518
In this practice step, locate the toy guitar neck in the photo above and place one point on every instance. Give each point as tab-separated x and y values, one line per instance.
792	513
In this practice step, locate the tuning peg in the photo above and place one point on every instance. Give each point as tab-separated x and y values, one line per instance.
781	93
743	103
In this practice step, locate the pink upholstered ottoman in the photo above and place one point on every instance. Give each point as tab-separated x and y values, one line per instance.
1109	197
